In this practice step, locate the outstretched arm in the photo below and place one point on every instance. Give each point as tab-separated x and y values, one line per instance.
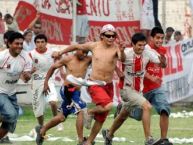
87	47
30	26
50	72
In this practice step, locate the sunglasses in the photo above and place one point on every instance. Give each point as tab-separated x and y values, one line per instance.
110	36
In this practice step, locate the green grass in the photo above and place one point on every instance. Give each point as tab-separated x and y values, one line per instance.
131	129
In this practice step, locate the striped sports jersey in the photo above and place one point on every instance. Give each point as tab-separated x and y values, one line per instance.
135	66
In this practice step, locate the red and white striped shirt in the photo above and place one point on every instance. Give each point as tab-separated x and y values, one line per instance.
135	66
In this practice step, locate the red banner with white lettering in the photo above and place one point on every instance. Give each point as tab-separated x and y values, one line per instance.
56	18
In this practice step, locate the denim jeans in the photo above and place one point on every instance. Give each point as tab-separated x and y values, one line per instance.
9	111
158	99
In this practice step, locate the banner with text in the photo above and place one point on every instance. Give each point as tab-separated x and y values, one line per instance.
178	76
56	17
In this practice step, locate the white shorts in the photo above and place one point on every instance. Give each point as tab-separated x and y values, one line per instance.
132	98
147	21
39	99
82	26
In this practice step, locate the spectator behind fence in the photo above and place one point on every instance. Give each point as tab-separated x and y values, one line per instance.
168	35
178	36
2	29
27	43
82	25
11	23
36	27
147	21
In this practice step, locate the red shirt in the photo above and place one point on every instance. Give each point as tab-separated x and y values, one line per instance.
81	9
154	70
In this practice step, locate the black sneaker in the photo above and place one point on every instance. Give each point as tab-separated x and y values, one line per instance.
118	110
39	138
5	140
108	140
163	142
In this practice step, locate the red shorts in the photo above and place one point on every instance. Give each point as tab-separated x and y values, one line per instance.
101	95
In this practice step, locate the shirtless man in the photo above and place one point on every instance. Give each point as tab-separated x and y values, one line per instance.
76	65
105	54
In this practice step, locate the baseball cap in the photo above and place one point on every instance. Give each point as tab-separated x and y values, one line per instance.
108	27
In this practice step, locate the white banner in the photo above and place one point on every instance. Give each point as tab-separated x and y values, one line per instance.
178	76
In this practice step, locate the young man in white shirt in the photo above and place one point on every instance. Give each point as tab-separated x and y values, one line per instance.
42	60
13	63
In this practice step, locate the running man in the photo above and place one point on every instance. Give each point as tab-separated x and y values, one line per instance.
13	63
153	91
76	65
42	60
105	54
136	59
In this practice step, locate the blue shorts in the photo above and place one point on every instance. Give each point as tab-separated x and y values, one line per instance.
9	112
159	100
72	102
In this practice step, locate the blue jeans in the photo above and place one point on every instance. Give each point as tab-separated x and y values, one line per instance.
158	99
9	111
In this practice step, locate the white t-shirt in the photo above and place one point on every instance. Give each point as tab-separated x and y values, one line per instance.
28	46
11	69
42	62
13	26
135	66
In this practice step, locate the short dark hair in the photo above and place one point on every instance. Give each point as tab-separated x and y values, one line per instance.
138	37
177	33
7	34
170	29
8	16
15	35
41	36
156	30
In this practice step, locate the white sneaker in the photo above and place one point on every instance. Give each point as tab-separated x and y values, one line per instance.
60	127
87	119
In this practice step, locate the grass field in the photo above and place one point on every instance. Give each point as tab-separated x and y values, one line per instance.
131	130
